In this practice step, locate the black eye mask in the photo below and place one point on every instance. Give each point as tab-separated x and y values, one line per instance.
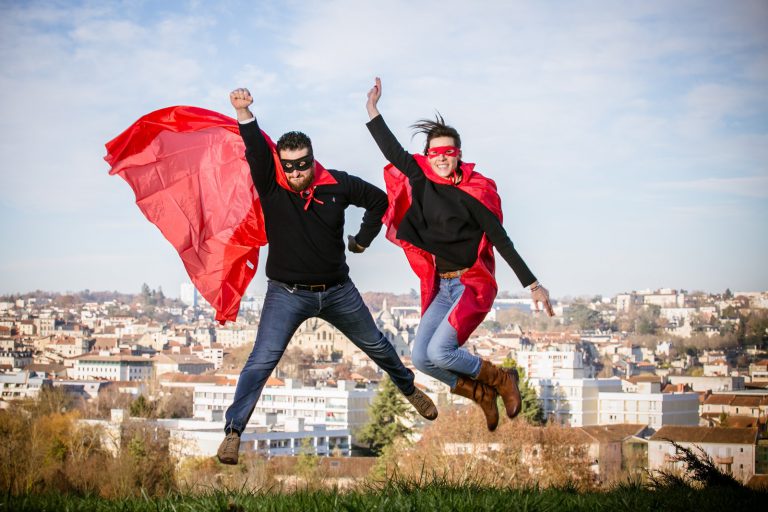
300	164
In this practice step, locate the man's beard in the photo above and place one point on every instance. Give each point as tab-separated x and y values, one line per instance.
306	180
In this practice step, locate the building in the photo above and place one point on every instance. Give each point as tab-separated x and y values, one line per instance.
188	294
730	408
708	383
553	364
609	448
180	363
648	406
758	372
201	438
236	336
118	367
69	346
16	358
732	449
572	402
341	407
23	384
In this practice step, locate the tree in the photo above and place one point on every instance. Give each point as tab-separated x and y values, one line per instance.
308	464
141	407
583	317
176	404
532	410
389	418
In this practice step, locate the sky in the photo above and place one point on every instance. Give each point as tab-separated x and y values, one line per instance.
628	140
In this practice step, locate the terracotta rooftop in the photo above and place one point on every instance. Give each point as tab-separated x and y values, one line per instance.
219	380
612	433
644	378
722	435
758	482
719	399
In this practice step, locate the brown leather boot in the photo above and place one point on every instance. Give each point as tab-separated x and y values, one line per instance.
504	381
483	395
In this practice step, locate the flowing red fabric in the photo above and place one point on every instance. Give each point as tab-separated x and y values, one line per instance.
187	168
479	281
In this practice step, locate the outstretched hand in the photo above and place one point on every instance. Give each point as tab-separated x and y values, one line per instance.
540	295
374	95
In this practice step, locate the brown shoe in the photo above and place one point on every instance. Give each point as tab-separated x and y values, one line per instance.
482	394
504	381
228	448
423	404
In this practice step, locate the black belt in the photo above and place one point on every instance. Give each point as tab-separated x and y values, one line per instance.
311	287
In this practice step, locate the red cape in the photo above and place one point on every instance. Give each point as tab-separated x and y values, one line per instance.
479	282
187	167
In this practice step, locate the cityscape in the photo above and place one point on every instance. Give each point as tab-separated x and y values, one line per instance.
626	375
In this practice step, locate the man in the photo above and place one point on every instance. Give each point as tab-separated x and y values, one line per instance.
303	206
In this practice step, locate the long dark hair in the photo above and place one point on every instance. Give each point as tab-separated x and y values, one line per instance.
436	128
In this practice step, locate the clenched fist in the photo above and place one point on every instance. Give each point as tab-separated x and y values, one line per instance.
353	246
241	98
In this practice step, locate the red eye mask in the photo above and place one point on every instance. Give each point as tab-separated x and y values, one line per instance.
443	150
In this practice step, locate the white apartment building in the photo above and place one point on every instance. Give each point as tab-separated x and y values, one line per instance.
15	386
570	401
553	364
188	294
731	449
195	438
120	367
648	406
45	325
213	354
342	407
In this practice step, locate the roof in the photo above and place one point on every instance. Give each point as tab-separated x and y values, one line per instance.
612	433
758	482
179	359
644	378
46	368
220	380
719	399
116	358
737	400
719	435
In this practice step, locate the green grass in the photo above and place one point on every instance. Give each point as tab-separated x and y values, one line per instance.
411	497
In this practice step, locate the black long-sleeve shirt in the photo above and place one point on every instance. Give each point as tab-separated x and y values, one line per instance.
307	246
443	219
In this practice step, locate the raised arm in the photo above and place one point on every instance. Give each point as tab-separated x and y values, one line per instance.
496	233
257	152
386	140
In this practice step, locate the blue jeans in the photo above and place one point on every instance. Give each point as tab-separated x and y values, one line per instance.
436	349
284	310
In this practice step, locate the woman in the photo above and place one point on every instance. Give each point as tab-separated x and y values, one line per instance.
447	218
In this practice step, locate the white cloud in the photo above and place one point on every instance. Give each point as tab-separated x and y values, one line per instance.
752	186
